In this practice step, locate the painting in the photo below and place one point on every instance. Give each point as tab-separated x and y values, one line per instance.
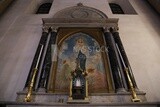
67	54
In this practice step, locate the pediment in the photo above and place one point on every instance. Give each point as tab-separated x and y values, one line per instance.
79	16
80	12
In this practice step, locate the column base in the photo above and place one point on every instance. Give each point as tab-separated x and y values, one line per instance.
41	90
121	90
86	98
70	98
136	100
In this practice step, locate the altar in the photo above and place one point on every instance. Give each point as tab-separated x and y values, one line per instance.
80	60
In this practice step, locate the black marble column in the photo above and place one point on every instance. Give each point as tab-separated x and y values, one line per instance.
47	63
115	67
42	42
121	48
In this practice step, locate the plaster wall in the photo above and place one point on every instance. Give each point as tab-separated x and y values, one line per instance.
21	31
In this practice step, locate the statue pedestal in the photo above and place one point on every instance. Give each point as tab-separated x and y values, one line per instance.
78	93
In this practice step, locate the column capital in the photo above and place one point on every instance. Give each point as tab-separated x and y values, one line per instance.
106	29
45	29
114	29
53	29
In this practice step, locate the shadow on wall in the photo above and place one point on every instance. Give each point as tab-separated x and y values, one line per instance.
149	14
155	4
4	4
3	105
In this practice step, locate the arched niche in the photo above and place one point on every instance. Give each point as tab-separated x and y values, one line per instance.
68	50
64	33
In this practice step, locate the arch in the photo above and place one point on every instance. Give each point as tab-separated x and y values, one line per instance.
68	51
72	33
44	8
80	12
64	33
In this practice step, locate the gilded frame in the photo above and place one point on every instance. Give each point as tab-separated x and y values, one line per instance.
97	34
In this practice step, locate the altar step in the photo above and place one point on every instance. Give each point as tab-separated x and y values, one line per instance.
32	104
94	98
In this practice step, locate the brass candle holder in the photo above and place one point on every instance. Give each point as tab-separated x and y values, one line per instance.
134	95
28	97
30	88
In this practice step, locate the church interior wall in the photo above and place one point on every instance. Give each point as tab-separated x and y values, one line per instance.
21	32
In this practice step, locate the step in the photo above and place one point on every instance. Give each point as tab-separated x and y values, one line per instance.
33	104
99	98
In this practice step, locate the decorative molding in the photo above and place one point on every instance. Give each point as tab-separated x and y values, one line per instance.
63	22
80	16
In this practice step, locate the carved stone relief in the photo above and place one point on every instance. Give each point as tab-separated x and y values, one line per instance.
80	12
